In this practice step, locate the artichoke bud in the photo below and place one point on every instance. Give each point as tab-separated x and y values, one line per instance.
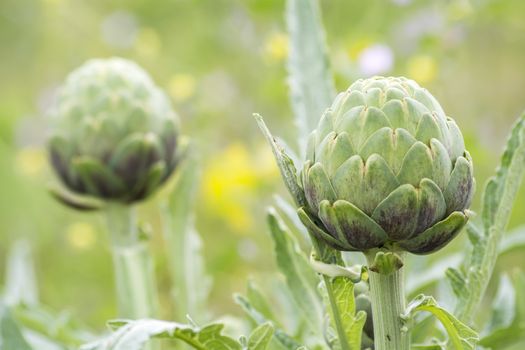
114	133
386	168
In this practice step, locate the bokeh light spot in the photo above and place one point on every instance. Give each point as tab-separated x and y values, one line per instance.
30	161
81	235
422	68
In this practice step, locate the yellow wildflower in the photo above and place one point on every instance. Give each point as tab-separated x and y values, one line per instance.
148	42
422	68
30	161
182	86
276	47
81	235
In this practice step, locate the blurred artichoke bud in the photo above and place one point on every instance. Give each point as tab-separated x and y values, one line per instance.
386	168
114	133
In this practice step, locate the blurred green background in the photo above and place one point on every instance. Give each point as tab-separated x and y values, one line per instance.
220	61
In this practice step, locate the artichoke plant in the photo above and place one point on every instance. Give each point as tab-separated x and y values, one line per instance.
114	134
386	168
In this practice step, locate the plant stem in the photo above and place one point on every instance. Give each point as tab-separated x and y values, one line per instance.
133	265
388	303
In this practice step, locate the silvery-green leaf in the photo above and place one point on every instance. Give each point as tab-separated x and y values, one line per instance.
285	164
461	336
20	285
134	334
514	333
11	337
503	305
497	202
457	281
311	84
191	284
513	240
259	302
284	340
300	278
260	337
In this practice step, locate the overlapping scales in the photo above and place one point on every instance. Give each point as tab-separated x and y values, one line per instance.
385	166
114	132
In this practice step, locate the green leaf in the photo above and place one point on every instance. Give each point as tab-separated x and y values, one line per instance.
11	337
513	240
503	305
457	282
191	284
260	337
514	332
311	83
300	278
20	284
58	327
259	302
285	164
460	336
134	334
498	199
351	322
285	341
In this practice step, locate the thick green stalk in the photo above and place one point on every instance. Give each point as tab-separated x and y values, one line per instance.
133	265
387	293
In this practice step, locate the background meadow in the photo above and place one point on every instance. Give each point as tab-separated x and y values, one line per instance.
220	61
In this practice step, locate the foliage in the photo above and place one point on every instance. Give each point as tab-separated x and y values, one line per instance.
320	299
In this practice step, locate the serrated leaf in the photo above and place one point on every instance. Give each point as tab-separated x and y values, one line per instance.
457	281
497	202
134	334
300	278
285	163
191	284
259	302
461	336
260	337
352	323
59	327
285	341
289	214
311	84
11	337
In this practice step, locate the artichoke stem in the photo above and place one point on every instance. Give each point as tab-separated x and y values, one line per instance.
388	303
133	265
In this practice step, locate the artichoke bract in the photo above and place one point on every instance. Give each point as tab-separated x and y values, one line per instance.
386	168
114	133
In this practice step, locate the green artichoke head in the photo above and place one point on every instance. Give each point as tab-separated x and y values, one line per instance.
386	168
114	133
